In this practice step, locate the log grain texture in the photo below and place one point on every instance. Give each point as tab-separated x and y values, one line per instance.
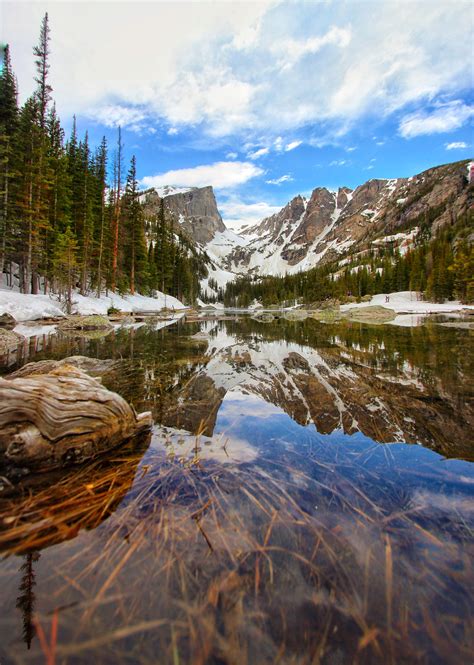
62	417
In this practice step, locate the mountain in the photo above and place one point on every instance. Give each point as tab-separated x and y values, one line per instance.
325	227
330	224
194	209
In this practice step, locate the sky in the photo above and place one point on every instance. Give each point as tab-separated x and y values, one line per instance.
262	100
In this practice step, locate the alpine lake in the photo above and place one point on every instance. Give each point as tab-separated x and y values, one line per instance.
305	496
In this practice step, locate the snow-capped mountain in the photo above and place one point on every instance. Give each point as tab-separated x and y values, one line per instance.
325	227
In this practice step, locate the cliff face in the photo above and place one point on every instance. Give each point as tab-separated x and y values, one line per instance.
195	210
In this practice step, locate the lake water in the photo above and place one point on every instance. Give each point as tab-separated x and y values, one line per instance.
305	497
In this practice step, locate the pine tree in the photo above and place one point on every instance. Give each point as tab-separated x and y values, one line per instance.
101	173
44	90
116	219
65	264
8	127
134	220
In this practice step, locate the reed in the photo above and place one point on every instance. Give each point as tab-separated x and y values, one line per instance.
156	558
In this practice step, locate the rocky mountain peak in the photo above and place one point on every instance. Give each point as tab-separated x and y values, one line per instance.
343	196
194	209
281	221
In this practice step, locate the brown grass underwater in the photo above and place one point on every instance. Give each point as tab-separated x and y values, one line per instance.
154	560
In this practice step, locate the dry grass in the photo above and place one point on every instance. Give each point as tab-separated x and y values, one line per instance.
207	564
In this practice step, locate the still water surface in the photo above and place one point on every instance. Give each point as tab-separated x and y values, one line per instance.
305	497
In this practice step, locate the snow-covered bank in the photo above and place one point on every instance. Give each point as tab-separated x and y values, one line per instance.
27	307
408	302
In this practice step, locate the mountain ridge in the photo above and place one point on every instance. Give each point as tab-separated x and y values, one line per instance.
327	226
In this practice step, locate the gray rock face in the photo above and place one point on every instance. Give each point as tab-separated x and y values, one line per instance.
194	211
198	211
318	215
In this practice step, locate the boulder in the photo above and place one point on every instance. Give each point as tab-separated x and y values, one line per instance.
7	321
61	417
370	314
92	322
296	315
92	366
9	340
263	317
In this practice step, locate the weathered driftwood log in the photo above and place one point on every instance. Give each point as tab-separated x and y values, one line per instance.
63	417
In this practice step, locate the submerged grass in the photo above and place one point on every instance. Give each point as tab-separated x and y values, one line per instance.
171	562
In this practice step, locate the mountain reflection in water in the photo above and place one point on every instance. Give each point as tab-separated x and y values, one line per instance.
269	520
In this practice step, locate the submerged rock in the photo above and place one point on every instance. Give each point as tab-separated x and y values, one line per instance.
61	417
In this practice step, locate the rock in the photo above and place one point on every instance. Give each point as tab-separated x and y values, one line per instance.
296	315
326	315
330	303
92	366
7	321
9	340
60	418
194	211
371	314
263	317
92	322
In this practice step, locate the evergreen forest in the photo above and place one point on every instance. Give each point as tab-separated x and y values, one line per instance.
70	216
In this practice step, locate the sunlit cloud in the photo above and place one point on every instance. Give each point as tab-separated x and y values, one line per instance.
237	213
445	118
456	145
280	180
221	175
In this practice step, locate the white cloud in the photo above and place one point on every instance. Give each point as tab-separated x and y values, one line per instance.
445	118
280	180
292	50
172	131
292	145
278	144
231	155
258	153
351	149
250	69
456	145
237	213
221	175
339	162
119	116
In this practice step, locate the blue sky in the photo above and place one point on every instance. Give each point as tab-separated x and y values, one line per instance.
262	100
